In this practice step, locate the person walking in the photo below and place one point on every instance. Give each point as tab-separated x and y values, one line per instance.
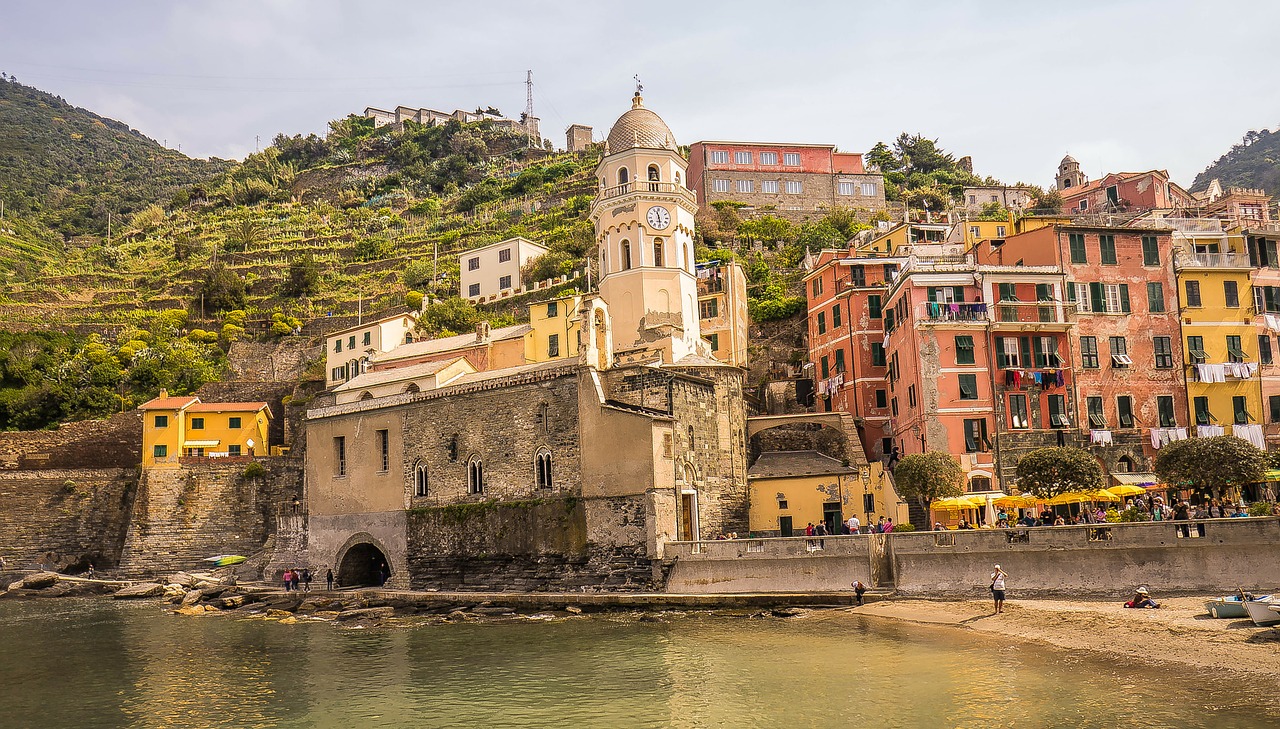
858	590
888	526
288	579
855	526
997	588
328	578
306	579
297	578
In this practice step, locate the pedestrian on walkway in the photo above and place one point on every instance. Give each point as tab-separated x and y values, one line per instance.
288	579
297	578
306	579
328	578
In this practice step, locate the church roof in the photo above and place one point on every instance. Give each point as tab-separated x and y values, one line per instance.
640	127
1068	159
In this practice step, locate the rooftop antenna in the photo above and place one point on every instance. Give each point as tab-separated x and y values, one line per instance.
528	104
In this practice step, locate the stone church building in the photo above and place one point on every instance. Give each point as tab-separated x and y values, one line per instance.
551	475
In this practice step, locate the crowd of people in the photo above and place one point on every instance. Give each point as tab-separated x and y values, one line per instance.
299	580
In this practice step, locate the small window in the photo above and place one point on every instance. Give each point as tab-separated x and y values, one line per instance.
845	188
553	345
160	451
1195	348
1058	412
553	310
882	399
710	308
1094	407
868	189
782	505
791	159
768	158
351	342
1089	352
1155	297
1240	408
162	421
337	345
368	338
964	350
746	186
1264	349
714	341
504	282
1124	411
794	187
835	316
420	479
475	476
1193	293
720	156
1201	406
340	456
1164	352
968	387
720	185
911	395
473	264
1231	294
822	322
504	255
1235	352
1107	249
384	451
1150	251
877	355
542	469
1164	406
1120	352
234	422
1076	243
742	158
197	423
233	450
769	187
1018	412
975	436
1273	403
473	290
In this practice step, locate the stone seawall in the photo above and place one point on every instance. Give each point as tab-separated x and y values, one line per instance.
114	442
1216	555
536	545
182	515
65	519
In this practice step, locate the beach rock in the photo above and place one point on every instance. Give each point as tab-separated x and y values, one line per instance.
233	602
573	609
174	592
487	610
139	590
789	612
289	620
274	613
181	578
38	581
373	612
192	597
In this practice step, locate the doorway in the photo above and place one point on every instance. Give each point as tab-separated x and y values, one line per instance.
689	517
832	516
784	526
364	565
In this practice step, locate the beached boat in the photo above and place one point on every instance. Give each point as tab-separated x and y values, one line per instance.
1261	612
1230	606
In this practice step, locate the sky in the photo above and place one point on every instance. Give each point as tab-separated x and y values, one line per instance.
1120	85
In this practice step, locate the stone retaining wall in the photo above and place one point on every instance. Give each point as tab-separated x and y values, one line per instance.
65	519
787	564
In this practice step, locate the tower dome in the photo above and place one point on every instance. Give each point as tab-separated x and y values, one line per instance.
640	127
1068	160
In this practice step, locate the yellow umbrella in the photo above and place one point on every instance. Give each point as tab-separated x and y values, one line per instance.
952	503
1017	502
1127	489
1079	497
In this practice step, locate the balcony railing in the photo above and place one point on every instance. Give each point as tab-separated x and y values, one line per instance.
953	312
1213	260
669	188
1031	312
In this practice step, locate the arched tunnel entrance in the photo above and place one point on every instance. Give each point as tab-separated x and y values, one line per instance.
364	565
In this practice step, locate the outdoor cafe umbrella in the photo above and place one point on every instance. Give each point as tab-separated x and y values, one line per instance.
1079	497
1018	502
1127	489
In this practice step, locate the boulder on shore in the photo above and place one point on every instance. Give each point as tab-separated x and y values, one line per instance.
373	612
38	581
139	590
193	597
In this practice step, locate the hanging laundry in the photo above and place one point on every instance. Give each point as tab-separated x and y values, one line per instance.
1209	431
1251	433
1100	437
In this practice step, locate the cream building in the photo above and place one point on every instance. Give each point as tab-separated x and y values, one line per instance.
347	352
495	268
643	217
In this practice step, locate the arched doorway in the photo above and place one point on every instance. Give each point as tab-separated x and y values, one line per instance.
363	565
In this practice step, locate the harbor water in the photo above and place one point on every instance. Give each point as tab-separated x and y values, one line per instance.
99	663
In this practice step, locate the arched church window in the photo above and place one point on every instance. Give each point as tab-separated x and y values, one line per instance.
657	253
626	255
623	176
542	468
475	475
419	479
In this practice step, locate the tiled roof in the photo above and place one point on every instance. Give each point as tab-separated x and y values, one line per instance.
168	403
226	407
396	374
783	464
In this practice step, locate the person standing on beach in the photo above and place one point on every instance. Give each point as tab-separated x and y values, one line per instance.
288	579
858	590
297	577
306	579
997	588
328	578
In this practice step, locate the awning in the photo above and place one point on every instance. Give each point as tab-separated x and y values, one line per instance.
200	443
1137	479
1272	475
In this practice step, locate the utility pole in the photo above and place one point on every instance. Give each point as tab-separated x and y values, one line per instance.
435	263
108	227
257	143
528	104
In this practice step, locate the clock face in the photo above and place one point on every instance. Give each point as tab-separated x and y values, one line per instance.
658	218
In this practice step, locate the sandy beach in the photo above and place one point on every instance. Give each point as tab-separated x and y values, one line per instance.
1180	632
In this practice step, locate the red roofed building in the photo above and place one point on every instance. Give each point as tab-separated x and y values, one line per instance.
175	427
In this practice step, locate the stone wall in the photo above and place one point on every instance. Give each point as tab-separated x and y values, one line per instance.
182	515
801	437
65	519
534	545
274	361
114	442
770	565
1014	444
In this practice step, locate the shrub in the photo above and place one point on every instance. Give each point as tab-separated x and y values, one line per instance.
254	470
413	299
904	527
1261	508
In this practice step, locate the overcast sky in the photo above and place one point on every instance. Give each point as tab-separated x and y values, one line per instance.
1121	85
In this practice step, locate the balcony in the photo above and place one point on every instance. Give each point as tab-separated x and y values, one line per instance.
952	313
1238	261
648	188
1032	315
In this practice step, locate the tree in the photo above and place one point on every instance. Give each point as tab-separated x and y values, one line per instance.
449	317
767	228
1047	472
221	289
304	277
1209	465
927	477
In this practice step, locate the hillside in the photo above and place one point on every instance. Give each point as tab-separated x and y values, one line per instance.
68	168
1254	162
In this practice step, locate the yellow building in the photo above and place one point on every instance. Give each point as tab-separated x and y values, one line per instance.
553	330
722	311
981	231
1220	341
174	427
788	490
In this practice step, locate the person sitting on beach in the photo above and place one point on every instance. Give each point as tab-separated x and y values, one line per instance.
1141	599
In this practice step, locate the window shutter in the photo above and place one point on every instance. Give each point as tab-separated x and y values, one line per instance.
957	293
1071	291
1097	299
1124	298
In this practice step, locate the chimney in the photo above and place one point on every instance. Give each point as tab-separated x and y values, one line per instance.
482	331
164	392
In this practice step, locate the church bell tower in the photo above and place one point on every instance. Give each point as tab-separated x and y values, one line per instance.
643	217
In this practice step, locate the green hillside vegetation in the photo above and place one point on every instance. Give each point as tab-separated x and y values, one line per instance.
68	168
919	172
1254	163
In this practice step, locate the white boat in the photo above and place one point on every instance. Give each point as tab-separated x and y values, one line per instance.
1262	612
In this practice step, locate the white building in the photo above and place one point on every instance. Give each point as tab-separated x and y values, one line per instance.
347	352
495	268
